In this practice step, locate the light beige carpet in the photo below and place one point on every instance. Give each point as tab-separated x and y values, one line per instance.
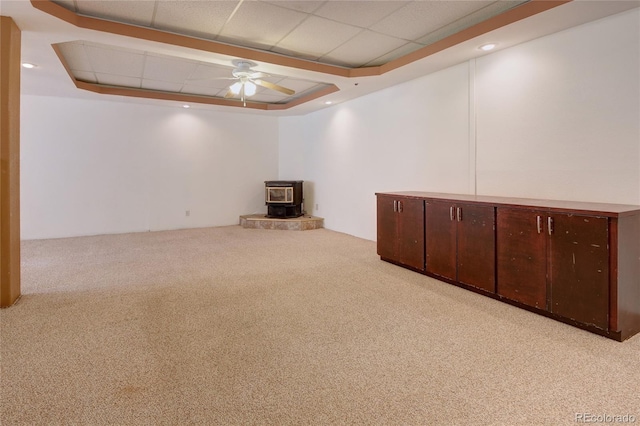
232	326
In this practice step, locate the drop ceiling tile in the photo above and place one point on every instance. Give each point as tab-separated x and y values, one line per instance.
362	48
212	83
266	97
358	13
115	61
166	69
211	76
299	86
161	85
118	80
200	18
313	89
419	18
202	90
261	23
87	76
317	36
135	12
75	56
401	51
208	71
300	6
493	9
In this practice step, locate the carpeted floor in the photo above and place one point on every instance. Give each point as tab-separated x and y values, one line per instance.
232	326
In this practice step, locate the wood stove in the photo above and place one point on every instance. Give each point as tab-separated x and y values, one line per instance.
283	198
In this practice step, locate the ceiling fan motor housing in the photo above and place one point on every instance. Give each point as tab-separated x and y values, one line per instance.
249	79
243	68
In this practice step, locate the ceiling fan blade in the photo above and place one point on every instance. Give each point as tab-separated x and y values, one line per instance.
211	78
229	94
259	74
273	86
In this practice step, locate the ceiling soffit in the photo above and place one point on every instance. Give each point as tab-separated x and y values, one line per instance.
115	70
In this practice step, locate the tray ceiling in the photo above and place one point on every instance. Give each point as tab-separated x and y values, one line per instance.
343	33
117	66
361	34
333	50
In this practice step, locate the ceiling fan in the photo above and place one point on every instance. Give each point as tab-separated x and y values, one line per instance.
248	80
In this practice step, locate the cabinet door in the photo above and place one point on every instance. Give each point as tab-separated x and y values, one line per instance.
476	246
410	241
522	256
579	268
387	227
440	238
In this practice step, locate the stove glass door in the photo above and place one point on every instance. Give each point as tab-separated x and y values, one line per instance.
279	194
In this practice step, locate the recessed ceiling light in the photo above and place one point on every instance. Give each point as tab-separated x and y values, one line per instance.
28	65
186	106
328	103
488	46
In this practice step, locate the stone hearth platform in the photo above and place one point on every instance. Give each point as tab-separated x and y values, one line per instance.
261	221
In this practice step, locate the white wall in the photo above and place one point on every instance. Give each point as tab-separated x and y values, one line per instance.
290	147
98	167
291	156
414	136
556	118
559	117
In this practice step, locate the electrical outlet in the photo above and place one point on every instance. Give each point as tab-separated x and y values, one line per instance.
316	207
187	213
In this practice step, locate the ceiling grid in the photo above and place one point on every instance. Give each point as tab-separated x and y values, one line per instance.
184	49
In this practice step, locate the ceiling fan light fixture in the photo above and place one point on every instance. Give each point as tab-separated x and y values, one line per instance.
249	89
235	88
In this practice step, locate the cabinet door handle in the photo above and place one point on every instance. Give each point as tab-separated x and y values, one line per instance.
451	212
395	206
550	225
539	223
459	214
400	206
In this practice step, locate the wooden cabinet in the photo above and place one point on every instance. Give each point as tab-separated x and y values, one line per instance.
579	268
401	230
522	257
460	242
554	261
575	262
440	239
